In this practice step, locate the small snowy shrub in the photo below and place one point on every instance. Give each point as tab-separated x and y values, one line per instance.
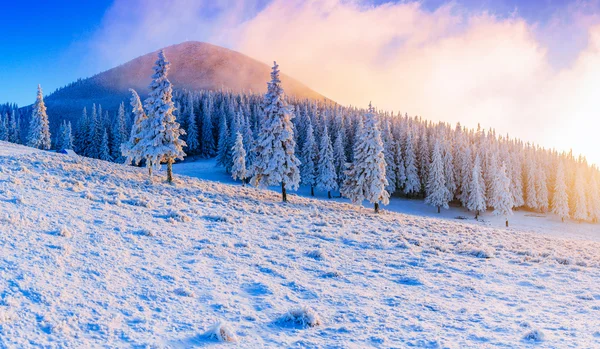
64	232
316	254
302	316
221	332
178	217
89	196
147	232
6	315
479	251
184	292
534	336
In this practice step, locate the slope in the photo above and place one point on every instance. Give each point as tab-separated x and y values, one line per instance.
93	254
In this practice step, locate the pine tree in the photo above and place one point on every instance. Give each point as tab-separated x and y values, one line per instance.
223	154
449	172
192	128
275	160
39	126
365	177
541	189
207	145
104	151
119	134
130	149
161	137
437	193
238	170
531	199
326	176
308	171
504	200
476	200
14	129
581	209
67	137
388	151
560	201
412	185
4	127
339	156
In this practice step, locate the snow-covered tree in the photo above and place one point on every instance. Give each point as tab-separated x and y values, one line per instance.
581	210
192	127
326	176
4	127
119	133
365	177
224	150
339	156
238	170
437	194
161	136
207	145
560	201
412	184
503	202
130	149
104	151
275	161
308	170
476	200
449	172
39	126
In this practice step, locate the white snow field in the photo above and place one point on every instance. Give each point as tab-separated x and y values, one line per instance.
95	255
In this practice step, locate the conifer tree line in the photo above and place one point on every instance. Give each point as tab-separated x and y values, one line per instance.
362	154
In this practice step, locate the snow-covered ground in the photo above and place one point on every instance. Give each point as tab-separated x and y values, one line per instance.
95	255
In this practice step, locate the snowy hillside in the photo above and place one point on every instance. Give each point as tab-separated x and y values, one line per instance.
93	254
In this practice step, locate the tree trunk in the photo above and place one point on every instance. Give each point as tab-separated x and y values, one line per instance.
149	169
283	192
170	171
507	223
329	194
376	207
439	210
477	215
563	219
312	191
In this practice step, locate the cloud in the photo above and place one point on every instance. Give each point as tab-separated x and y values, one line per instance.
451	64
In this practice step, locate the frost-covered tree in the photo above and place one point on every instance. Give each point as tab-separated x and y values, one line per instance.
161	136
503	202
541	189
308	170
4	127
275	161
339	156
476	200
39	126
560	201
192	127
119	133
388	151
326	176
224	153
104	150
207	145
14	128
64	140
581	210
449	172
413	183
238	171
437	194
365	177
130	149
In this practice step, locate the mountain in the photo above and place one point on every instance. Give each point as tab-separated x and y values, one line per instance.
194	66
96	255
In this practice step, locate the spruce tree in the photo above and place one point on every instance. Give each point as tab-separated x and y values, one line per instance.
104	150
67	137
339	156
437	194
503	202
39	126
207	145
308	172
223	154
275	161
192	127
581	210
119	134
161	137
365	178
412	184
238	170
326	176
133	152
476	200
4	127
560	201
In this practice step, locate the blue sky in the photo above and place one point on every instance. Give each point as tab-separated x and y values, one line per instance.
50	45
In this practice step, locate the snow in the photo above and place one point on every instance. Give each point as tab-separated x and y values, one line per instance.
140	275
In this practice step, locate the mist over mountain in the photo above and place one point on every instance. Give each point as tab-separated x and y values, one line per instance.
194	66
